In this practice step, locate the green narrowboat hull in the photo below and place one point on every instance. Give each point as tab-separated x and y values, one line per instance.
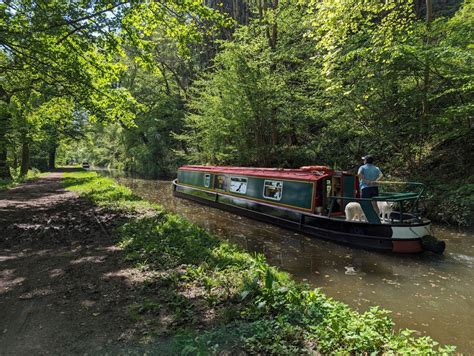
380	237
298	194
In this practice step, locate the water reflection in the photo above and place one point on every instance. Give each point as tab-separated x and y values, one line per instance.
430	293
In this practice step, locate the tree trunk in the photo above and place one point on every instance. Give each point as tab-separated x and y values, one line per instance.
426	77
272	41
52	158
4	169
429	11
25	159
426	81
4	118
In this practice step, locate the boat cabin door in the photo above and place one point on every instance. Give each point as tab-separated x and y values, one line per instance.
339	185
335	189
327	188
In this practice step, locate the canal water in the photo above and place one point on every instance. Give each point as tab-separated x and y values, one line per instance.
429	293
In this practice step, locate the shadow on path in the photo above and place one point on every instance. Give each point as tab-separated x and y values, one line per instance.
63	286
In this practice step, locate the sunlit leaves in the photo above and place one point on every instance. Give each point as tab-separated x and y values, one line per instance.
259	99
76	50
74	46
184	22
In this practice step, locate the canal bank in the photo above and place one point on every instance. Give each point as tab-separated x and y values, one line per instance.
432	294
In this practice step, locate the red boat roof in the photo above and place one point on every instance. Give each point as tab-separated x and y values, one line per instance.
310	173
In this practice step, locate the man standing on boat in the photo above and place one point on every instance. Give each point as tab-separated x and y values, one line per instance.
369	174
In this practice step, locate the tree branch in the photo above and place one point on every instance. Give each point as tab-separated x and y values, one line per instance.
88	17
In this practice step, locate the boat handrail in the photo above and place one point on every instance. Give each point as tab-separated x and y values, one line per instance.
415	196
388	197
398	182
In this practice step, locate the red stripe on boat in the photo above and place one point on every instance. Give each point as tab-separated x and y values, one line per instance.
407	246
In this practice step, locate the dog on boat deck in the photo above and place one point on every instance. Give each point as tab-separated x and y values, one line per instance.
385	209
354	212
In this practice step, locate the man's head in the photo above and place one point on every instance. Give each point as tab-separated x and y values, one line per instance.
368	159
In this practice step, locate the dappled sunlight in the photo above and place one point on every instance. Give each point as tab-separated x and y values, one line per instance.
37	293
56	272
52	279
177	276
87	267
88	303
9	280
89	259
6	258
130	276
112	248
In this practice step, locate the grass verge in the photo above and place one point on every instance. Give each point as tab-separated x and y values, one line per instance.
209	296
10	183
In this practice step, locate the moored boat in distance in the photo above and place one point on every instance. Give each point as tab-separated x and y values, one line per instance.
312	200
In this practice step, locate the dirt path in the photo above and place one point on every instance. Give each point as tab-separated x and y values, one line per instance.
63	287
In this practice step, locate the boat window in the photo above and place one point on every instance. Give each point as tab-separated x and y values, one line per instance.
238	185
220	182
207	180
273	189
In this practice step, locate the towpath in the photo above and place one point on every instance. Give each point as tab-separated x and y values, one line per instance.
63	286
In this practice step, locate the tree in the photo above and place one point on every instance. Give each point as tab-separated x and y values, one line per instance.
375	64
257	105
71	49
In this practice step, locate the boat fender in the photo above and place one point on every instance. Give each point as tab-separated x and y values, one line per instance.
431	243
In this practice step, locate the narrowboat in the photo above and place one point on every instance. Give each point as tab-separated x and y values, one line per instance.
312	200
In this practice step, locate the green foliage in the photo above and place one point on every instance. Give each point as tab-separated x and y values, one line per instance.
263	310
147	306
167	241
453	205
259	104
341	79
77	53
297	83
294	83
449	180
103	191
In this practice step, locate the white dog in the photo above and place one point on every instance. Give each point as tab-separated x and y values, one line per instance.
385	209
354	212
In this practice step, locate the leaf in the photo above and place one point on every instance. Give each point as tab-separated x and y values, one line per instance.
244	294
269	279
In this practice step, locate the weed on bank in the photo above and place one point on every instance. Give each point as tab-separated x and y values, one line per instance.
211	296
